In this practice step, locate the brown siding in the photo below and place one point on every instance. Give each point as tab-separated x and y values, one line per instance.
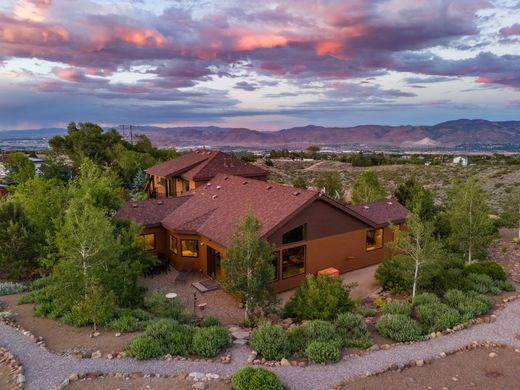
161	244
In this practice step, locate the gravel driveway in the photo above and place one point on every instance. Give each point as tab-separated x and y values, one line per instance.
46	371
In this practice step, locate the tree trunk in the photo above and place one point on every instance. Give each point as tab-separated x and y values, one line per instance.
414	288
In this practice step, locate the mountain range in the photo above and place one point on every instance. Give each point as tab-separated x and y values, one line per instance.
473	134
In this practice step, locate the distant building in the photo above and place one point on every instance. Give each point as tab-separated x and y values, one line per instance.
459	160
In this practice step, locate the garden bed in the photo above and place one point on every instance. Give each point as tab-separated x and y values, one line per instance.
11	372
482	367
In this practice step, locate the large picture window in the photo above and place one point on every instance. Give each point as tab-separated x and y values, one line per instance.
374	239
174	245
293	261
295	235
148	240
190	248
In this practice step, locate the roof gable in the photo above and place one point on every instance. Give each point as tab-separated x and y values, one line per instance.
381	212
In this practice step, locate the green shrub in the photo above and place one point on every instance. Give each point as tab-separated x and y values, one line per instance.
323	351
449	279
297	341
210	341
125	324
140	314
209	321
270	341
322	297
437	316
398	327
505	286
469	303
162	307
352	330
175	339
397	308
8	288
393	275
320	330
489	268
426	298
481	283
249	378
145	347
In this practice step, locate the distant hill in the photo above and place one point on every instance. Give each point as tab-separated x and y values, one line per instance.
463	132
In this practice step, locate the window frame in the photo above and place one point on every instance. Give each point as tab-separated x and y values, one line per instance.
174	249
367	249
145	242
197	245
304	234
304	246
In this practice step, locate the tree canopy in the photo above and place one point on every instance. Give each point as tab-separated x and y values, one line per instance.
416	198
367	188
330	184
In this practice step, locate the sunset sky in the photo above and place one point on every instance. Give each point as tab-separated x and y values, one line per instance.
258	64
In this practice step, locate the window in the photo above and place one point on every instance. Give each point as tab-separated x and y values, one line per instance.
185	186
397	229
374	239
148	240
174	245
293	261
295	235
190	248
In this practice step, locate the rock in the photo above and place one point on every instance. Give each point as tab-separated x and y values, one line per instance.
419	363
96	355
442	354
213	376
199	386
240	335
96	334
257	361
285	363
240	341
454	379
118	334
302	364
136	375
492	355
234	329
197	376
20	379
73	377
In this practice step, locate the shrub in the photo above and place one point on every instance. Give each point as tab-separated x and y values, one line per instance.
209	341
297	341
489	268
270	341
145	347
397	308
249	378
125	323
353	331
175	339
322	297
9	288
469	304
323	351
437	316
481	283
393	275
426	298
449	279
162	307
209	321
320	330
398	327
505	286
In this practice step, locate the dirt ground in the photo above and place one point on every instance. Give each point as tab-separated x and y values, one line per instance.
143	384
64	338
474	369
507	253
6	380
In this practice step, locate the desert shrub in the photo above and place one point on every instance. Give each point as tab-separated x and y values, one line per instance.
297	341
393	275
437	316
320	330
505	286
175	338
125	323
397	308
426	298
469	303
209	341
249	378
449	279
145	347
9	288
489	268
209	321
398	327
366	311
160	306
322	297
270	341
140	314
323	351
352	330
481	283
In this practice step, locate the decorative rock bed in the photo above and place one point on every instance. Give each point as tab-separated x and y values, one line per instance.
16	368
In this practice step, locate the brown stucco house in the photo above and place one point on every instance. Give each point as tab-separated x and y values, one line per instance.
310	231
191	170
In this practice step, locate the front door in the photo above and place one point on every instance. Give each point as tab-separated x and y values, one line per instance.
213	257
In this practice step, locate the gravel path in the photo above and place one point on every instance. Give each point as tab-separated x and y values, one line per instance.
45	371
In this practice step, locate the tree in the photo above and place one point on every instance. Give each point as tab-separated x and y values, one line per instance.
248	266
18	245
367	188
416	198
510	215
330	184
418	244
312	150
19	167
300	182
468	214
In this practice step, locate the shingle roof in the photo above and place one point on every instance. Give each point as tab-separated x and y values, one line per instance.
381	212
204	165
152	211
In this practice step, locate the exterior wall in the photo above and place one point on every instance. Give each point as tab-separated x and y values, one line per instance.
161	243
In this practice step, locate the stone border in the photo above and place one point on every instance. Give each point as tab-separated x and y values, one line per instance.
16	367
195	377
422	362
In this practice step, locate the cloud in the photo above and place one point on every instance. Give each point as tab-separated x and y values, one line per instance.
245	86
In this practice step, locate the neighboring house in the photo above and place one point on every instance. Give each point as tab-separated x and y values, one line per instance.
189	171
310	231
37	164
459	160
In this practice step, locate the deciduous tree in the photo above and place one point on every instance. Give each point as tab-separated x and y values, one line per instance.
416	198
366	188
330	184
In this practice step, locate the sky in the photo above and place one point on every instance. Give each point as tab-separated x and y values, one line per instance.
264	65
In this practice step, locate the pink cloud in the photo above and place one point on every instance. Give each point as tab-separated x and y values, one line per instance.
511	31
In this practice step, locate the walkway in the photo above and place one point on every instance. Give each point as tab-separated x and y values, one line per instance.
46	371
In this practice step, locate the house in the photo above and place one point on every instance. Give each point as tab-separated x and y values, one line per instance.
460	160
310	231
189	171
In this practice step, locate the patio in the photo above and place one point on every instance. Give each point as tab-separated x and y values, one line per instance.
218	303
